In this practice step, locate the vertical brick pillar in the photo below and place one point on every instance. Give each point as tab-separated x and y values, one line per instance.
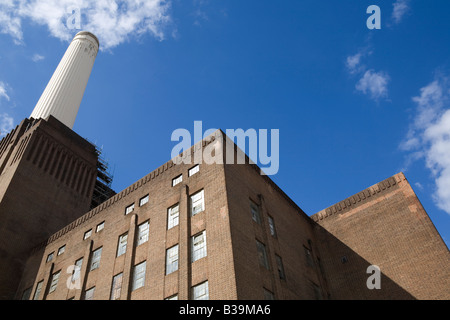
129	257
184	264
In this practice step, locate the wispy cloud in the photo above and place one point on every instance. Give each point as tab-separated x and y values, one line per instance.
3	91
112	21
6	124
37	57
375	84
429	136
401	7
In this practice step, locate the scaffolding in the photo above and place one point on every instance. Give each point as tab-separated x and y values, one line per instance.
102	188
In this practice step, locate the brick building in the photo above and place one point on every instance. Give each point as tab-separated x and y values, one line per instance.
218	231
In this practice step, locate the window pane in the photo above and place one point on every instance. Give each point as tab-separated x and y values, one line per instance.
177	180
129	209
254	209
173	216
273	233
144	200
100	227
38	290
61	250
268	295
116	287
96	255
194	170
262	254
89	294
201	291
54	282
199	246
77	270
139	276
143	233
172	259
122	246
50	257
87	234
280	268
197	203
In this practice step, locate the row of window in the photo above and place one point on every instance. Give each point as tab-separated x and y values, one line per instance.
191	172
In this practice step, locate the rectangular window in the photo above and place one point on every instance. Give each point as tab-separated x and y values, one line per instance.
116	287
280	268
177	180
174	297
272	230
54	282
89	294
50	257
201	291
143	230
198	246
144	200
87	234
308	256
268	295
172	259
100	227
254	209
139	276
194	170
61	250
129	209
197	203
96	256
77	270
26	294
173	215
262	254
37	293
122	245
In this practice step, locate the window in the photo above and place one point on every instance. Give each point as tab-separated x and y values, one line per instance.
50	257
177	180
262	255
254	209
122	246
308	256
96	256
144	200
54	282
77	270
87	234
129	209
116	287
38	290
173	216
280	268
172	259
139	276
197	203
199	246
316	291
272	230
143	231
100	227
89	294
268	295
194	170
61	250
26	294
174	297
200	291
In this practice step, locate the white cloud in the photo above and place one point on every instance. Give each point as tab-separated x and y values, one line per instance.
6	124
401	7
112	21
3	91
353	62
37	57
429	136
374	84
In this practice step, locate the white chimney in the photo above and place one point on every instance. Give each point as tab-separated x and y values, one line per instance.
64	92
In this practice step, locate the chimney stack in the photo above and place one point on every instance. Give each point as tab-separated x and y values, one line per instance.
64	92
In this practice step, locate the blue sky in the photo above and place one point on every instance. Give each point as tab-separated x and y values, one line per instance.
354	106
